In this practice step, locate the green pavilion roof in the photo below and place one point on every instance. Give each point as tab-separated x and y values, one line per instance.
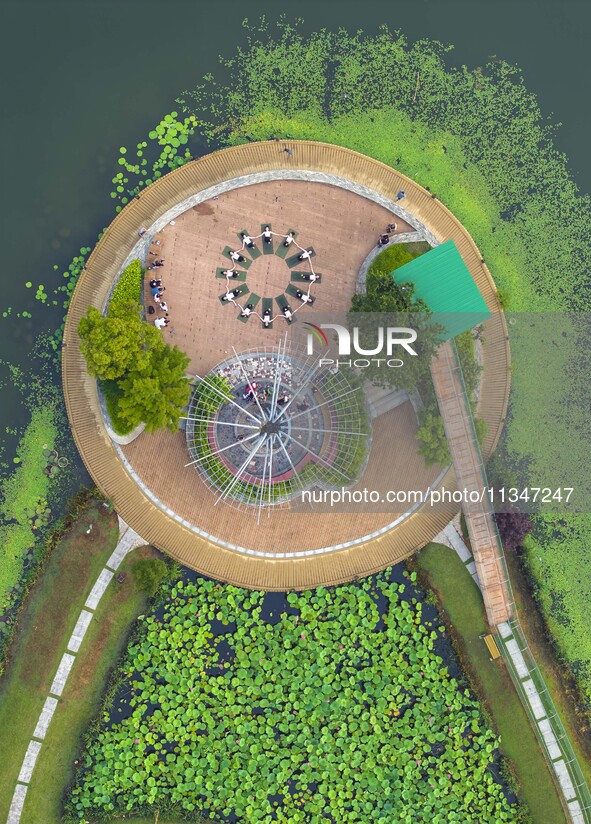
444	282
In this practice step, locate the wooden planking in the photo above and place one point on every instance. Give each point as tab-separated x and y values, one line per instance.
93	287
464	450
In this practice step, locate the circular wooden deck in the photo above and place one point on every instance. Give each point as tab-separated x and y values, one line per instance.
288	550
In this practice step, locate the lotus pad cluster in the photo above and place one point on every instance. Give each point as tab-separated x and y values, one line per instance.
341	711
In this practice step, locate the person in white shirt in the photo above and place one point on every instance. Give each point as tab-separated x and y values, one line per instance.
163	306
231	294
247	240
287	313
236	256
247	310
160	322
289	240
305	298
304	255
267	234
311	277
266	317
230	273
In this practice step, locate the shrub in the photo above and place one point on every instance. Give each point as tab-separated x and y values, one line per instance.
112	394
149	574
513	528
471	369
128	291
433	447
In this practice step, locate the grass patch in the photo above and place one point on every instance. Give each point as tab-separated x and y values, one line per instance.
444	572
44	629
102	646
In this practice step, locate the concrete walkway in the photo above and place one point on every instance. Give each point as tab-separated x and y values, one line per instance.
128	540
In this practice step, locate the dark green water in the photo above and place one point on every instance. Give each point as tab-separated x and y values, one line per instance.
82	78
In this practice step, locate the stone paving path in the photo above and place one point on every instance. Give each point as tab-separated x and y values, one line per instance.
128	540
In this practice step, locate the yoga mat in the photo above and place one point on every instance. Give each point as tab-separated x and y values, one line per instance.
243	264
267	304
282	250
282	301
254	299
219	273
295	259
267	247
254	253
297	277
292	290
243	291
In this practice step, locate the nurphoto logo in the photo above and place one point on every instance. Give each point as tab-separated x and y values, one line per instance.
348	341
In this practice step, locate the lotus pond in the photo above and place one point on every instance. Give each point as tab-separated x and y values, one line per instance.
328	705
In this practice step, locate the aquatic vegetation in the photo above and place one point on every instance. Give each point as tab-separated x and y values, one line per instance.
338	708
23	503
167	150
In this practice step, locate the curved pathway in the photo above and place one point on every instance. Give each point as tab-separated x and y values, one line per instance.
128	540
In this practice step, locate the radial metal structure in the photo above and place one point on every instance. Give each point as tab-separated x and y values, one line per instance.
269	423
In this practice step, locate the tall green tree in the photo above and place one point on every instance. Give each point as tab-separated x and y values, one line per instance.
114	344
156	392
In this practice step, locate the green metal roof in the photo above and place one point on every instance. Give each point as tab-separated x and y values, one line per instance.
444	282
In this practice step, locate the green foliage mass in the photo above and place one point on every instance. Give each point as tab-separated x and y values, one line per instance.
156	393
340	710
128	290
20	496
478	140
112	395
385	303
115	344
149	574
142	377
433	443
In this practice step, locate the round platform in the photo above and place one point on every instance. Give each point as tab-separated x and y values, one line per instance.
339	202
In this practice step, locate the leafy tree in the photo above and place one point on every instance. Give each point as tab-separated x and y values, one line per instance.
157	392
112	345
387	303
149	574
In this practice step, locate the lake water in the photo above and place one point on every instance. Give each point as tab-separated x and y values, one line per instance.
84	77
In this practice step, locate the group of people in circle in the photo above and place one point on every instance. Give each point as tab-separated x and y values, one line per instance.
237	257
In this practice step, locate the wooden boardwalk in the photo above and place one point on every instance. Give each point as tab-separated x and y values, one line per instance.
157	524
470	476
